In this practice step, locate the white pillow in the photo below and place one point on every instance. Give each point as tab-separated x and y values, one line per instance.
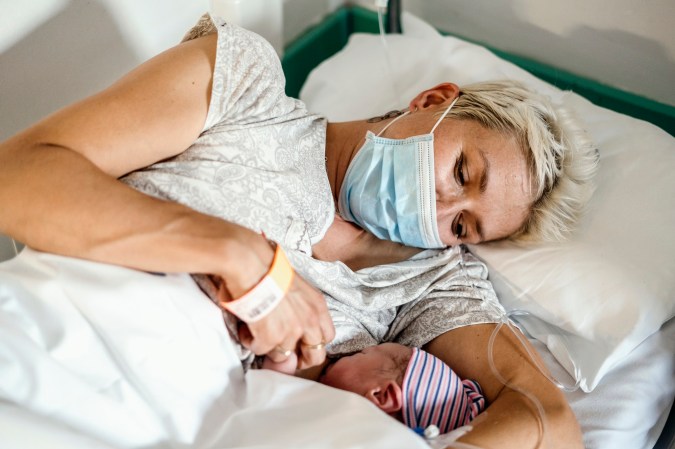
612	285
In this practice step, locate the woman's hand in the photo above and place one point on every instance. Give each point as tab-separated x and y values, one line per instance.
299	325
65	167
286	367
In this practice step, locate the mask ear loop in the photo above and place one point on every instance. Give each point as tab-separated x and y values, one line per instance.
438	122
391	123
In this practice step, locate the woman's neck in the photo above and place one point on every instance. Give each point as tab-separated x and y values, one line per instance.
345	241
343	141
357	248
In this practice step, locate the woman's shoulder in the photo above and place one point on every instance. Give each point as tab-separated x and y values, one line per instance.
248	83
237	49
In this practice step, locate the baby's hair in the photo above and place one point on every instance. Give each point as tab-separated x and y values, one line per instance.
396	369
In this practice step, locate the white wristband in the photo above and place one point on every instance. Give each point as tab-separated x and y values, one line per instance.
264	296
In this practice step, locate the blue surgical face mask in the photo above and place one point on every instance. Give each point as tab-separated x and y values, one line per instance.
390	189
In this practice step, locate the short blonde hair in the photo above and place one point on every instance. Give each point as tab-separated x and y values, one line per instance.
562	160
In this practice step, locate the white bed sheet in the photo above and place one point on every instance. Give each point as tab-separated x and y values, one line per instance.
97	356
629	407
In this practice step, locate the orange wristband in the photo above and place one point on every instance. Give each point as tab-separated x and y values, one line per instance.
266	294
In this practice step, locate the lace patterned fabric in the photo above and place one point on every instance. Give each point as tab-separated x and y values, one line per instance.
260	159
409	302
260	162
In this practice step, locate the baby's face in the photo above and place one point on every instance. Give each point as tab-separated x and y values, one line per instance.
357	372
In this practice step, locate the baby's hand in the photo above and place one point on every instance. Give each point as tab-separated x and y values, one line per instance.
288	366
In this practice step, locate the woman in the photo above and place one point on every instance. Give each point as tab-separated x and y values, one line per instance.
207	124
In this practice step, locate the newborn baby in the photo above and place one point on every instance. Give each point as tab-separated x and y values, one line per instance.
409	384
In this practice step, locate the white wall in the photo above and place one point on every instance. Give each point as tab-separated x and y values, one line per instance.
300	14
628	44
77	48
54	52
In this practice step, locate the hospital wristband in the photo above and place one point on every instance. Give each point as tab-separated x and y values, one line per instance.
266	294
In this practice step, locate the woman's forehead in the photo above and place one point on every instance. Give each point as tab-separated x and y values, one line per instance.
498	174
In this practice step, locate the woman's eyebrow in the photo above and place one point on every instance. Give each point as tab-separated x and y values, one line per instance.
483	183
484	174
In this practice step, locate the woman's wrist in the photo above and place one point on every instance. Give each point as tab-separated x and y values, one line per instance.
246	259
261	299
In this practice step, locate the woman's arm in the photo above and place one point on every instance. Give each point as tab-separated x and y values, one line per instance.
510	420
59	191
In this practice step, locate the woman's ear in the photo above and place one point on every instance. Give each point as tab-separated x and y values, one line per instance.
443	93
388	396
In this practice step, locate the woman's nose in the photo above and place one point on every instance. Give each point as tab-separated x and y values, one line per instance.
450	195
450	204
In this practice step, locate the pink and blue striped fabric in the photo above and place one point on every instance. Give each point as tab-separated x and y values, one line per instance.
434	394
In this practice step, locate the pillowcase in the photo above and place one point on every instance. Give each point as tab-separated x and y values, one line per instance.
611	285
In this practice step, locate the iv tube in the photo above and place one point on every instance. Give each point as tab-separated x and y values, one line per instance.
505	320
381	6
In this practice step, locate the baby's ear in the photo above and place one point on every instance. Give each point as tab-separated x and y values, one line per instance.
387	396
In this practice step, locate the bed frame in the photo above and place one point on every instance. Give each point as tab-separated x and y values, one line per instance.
331	35
327	38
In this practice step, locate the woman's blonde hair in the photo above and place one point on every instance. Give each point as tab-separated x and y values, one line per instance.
561	158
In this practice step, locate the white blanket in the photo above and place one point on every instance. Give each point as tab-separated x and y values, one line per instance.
93	355
98	356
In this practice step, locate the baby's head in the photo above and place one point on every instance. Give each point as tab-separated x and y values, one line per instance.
408	383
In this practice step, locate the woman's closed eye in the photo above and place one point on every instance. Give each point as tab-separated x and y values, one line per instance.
459	170
459	227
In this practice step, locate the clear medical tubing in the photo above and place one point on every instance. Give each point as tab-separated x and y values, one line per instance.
381	8
505	320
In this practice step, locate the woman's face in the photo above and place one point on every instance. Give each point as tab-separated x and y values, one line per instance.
482	179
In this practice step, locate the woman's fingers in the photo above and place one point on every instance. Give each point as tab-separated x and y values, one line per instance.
300	323
287	366
301	315
311	354
279	328
319	329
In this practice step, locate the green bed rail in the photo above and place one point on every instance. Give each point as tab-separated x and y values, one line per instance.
331	35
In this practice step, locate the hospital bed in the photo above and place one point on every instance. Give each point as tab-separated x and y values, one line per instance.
604	310
98	365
